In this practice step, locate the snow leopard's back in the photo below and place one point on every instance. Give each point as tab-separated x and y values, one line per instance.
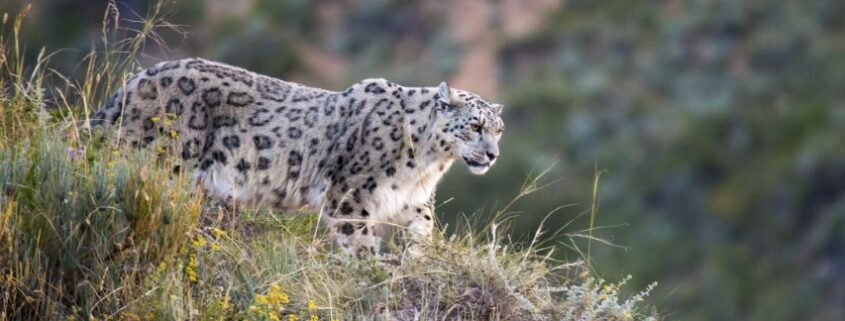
250	137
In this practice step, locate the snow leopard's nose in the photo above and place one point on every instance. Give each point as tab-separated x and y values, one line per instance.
492	156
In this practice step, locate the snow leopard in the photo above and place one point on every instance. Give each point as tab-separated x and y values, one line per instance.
370	154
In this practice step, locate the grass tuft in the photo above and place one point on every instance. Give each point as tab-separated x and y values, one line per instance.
79	227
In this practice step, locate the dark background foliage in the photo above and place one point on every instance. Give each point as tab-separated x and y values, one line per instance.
718	125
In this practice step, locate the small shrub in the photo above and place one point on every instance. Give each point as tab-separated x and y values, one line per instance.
78	227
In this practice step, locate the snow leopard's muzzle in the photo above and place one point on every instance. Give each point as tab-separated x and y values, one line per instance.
480	159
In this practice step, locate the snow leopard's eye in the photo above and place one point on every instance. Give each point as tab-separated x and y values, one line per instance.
475	127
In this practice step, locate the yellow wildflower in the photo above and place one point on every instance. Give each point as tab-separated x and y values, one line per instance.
312	305
191	269
282	297
277	296
192	276
293	317
199	242
218	233
155	119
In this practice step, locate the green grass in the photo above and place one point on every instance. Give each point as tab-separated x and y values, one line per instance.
90	231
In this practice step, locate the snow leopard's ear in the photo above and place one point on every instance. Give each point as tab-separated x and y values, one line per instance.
444	93
497	108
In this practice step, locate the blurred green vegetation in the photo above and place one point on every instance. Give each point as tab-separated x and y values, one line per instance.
720	126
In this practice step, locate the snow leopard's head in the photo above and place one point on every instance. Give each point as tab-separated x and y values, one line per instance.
472	129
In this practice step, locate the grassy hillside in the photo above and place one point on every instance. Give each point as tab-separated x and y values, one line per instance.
91	231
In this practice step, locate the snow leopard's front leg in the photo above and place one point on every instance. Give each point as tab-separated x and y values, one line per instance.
417	223
351	224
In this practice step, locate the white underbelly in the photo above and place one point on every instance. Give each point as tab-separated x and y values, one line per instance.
226	184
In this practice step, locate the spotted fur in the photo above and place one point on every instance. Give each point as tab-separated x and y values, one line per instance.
370	154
